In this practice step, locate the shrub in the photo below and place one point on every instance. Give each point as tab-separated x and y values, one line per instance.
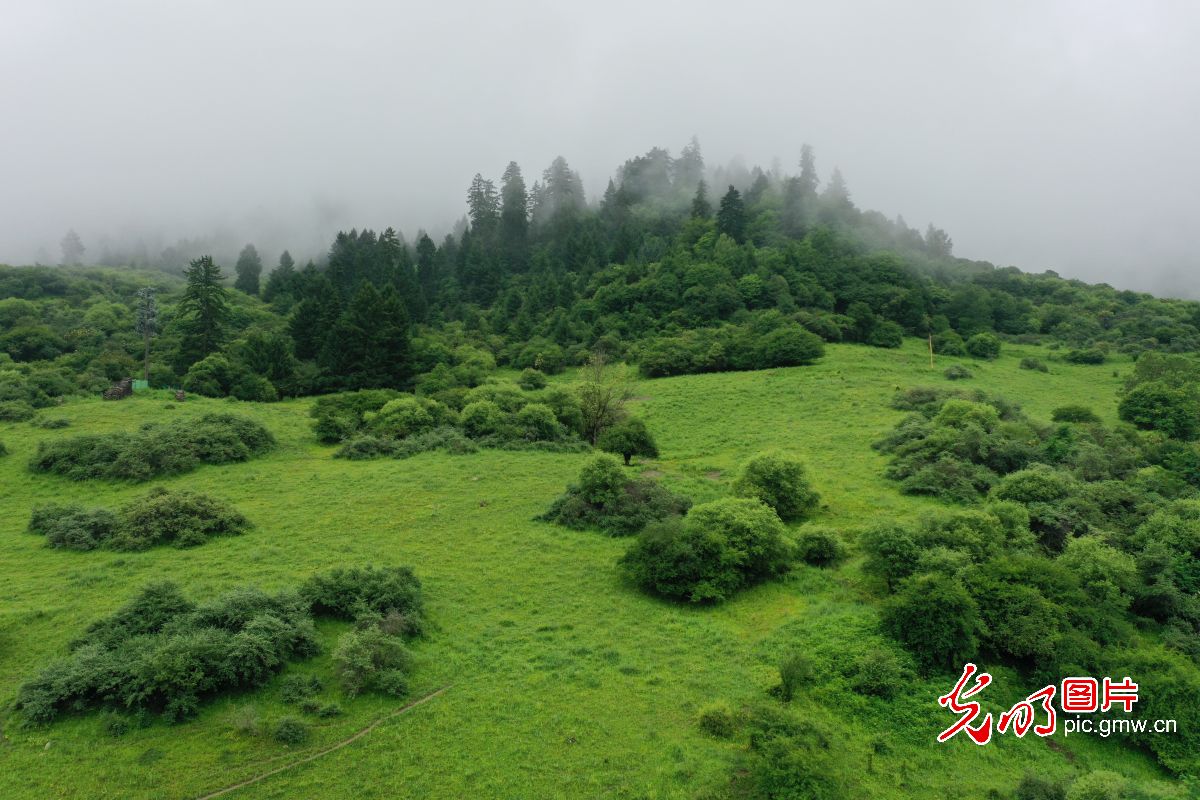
370	658
73	527
482	418
1035	787
780	481
1075	414
628	438
290	731
155	450
1099	785
606	499
1035	364
15	411
795	672
351	593
184	519
892	552
789	346
531	379
936	618
296	689
790	758
366	446
717	549
339	416
1090	355
3	449
983	345
886	333
537	423
957	372
949	343
718	720
52	423
1155	405
878	672
407	416
819	546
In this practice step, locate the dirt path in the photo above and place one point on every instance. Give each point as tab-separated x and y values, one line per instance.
326	750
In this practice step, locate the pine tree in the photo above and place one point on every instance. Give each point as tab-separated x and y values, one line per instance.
368	346
483	206
282	279
514	217
249	271
427	275
701	208
731	216
203	312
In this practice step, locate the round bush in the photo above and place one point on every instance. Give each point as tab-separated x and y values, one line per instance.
1158	406
532	379
1074	414
718	720
290	731
878	673
402	417
1090	355
957	372
780	481
949	343
538	423
601	481
984	345
628	438
1035	364
819	546
1098	785
184	519
936	619
886	334
482	418
790	346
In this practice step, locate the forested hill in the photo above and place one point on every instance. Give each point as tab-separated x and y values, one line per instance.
677	268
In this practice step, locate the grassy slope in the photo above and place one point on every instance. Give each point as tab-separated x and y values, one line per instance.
566	683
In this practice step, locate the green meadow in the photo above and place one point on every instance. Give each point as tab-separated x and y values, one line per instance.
563	680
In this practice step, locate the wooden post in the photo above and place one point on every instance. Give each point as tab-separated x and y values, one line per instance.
931	349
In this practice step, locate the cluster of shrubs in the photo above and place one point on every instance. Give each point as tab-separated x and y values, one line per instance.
184	519
763	343
24	389
374	423
607	500
723	546
981	345
163	653
156	450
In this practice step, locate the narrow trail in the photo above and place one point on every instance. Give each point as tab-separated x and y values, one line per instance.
327	750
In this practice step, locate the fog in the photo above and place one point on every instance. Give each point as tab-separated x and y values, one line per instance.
1049	135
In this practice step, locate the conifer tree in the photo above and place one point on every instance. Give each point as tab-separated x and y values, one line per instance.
249	271
731	216
203	312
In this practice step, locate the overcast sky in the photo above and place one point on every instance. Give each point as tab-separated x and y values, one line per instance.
1045	134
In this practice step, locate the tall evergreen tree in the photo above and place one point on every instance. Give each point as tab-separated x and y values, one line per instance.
731	216
147	325
483	204
249	271
203	312
369	344
315	314
701	208
514	217
282	279
427	275
72	249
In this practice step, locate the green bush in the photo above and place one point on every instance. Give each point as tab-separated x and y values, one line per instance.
369	658
1099	785
290	731
791	758
365	446
795	672
886	333
717	549
1155	405
780	481
295	689
936	619
879	673
628	438
1075	414
606	499
73	527
949	343
1089	355
983	345
155	450
52	423
339	416
531	379
957	372
184	519
482	418
1035	364
718	720
819	546
1035	787
537	423
892	552
15	411
351	593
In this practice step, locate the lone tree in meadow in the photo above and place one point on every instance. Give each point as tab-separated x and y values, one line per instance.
602	395
629	438
249	270
203	312
147	324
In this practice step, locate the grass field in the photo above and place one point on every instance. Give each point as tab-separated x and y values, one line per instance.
564	681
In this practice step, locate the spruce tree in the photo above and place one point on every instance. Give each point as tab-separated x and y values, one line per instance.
249	271
701	208
368	346
203	312
731	216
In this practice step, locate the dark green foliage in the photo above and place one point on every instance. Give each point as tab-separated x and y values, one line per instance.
204	312
892	552
795	672
295	689
607	500
531	379
628	438
155	450
290	731
1089	355
717	549
949	343
371	658
1156	405
340	416
983	345
957	372
766	343
791	758
1035	787
52	423
1035	364
368	346
780	481
363	591
936	619
366	446
249	270
15	411
181	518
161	653
73	527
1075	414
718	720
879	672
819	546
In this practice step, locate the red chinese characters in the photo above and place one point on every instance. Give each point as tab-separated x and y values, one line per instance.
1022	715
1080	695
1125	693
980	734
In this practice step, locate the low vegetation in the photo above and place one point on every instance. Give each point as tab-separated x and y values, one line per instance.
606	499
